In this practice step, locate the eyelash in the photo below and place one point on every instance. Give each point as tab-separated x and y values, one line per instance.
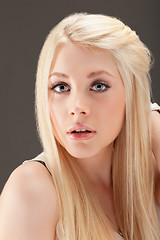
52	88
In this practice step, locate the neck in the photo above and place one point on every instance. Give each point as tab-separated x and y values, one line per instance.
98	167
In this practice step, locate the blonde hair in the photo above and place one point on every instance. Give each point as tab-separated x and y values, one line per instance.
132	168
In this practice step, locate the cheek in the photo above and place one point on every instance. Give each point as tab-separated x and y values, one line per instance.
118	112
117	116
53	108
57	122
56	110
112	112
57	115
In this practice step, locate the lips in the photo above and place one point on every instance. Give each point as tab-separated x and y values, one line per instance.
81	135
79	127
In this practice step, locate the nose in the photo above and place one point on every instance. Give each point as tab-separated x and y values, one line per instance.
79	105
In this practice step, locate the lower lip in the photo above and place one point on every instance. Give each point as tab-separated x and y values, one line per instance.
81	136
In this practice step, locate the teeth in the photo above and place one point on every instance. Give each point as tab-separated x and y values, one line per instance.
81	130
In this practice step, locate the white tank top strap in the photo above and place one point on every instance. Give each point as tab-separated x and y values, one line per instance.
155	107
40	157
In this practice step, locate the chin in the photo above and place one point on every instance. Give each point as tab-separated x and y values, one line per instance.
80	154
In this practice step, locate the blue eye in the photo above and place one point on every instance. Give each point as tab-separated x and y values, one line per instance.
59	88
100	87
62	87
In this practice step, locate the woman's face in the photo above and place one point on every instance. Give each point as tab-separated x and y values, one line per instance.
85	87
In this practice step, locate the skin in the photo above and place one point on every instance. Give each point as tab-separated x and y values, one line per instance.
80	102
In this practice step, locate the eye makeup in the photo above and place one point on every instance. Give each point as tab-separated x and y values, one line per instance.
62	84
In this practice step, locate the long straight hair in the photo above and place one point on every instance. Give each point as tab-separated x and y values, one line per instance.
81	215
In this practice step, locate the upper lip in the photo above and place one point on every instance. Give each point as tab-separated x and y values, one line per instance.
79	127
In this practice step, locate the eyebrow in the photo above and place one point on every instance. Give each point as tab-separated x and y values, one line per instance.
90	75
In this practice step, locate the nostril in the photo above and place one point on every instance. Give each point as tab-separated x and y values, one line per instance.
73	113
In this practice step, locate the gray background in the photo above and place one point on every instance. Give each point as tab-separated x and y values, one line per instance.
23	28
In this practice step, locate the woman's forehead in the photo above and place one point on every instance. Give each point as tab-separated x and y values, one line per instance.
74	53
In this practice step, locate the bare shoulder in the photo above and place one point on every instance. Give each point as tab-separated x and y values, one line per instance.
29	204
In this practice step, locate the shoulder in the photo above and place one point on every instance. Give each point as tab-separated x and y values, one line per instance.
30	197
31	178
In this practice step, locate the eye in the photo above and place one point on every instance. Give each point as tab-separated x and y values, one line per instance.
62	87
59	88
100	87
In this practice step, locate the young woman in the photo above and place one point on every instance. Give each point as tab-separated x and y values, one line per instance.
101	157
